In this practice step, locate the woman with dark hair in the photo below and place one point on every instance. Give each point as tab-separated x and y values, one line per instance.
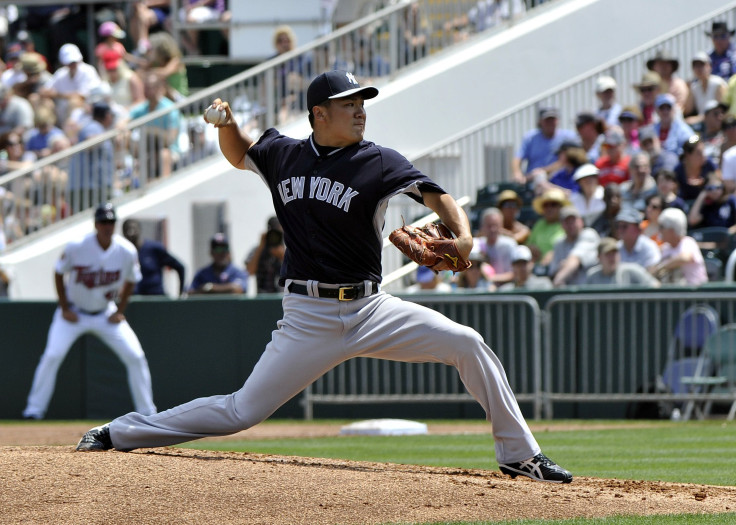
693	169
714	206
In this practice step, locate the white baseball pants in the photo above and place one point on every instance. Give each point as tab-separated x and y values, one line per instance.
119	337
315	335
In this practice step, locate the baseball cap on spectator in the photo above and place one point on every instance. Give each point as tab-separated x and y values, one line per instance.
714	104
521	254
614	137
604	83
584	117
569	211
219	240
567	144
548	112
649	79
105	213
630	112
629	214
335	84
110	29
23	36
664	99
69	53
509	195
647	133
111	59
607	244
586	170
701	56
32	63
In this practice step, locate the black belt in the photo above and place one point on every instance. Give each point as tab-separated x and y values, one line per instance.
343	293
85	312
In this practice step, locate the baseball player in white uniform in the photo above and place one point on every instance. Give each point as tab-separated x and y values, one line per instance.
101	268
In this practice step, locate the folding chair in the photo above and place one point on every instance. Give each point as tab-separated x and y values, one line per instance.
721	350
684	355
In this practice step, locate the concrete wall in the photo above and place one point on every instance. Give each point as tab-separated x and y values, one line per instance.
455	90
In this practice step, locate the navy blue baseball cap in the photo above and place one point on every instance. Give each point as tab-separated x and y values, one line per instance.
105	213
335	84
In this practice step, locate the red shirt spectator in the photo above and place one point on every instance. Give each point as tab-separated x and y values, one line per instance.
613	165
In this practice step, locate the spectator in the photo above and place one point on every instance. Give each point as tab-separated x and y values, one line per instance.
590	130
476	278
18	157
484	15
635	247
671	129
538	147
728	155
165	60
629	121
265	260
39	137
33	76
611	271
16	113
428	281
668	188
510	204
641	183
682	261
693	169
71	83
605	223
571	157
613	164
648	89
153	257
547	229
110	46
221	276
200	12
704	88
160	136
589	202
126	85
710	131
292	75
650	225
665	65
524	278
713	206
414	31
574	253
146	17
658	158
608	109
722	56
498	248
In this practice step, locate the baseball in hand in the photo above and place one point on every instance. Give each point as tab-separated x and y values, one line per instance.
215	116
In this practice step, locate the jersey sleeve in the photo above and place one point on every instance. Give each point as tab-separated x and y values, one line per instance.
259	153
400	176
64	263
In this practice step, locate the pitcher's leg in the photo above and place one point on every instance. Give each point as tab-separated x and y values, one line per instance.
123	341
62	335
404	331
300	352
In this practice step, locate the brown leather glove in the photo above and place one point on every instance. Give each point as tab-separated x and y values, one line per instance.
431	245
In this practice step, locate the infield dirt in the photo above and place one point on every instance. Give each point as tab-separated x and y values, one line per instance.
45	481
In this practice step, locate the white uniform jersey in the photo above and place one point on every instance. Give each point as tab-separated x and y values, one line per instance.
96	275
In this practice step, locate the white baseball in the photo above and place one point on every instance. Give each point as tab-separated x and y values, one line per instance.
215	116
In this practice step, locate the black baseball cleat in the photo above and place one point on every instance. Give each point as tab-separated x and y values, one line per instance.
539	468
95	439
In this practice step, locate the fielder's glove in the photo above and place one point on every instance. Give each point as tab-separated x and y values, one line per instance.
432	245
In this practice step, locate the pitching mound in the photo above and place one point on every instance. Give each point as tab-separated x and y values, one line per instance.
55	484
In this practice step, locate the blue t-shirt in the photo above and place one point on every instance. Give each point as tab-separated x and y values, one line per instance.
153	258
332	205
231	274
564	179
539	150
167	122
719	213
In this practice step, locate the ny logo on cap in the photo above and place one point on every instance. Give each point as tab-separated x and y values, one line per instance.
351	78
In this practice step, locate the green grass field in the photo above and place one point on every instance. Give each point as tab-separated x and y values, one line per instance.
692	452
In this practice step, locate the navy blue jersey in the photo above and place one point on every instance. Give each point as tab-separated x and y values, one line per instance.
153	258
332	207
208	274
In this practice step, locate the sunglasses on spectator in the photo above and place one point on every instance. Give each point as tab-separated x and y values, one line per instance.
721	36
711	187
646	89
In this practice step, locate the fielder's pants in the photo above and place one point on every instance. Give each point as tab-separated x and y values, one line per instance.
315	335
